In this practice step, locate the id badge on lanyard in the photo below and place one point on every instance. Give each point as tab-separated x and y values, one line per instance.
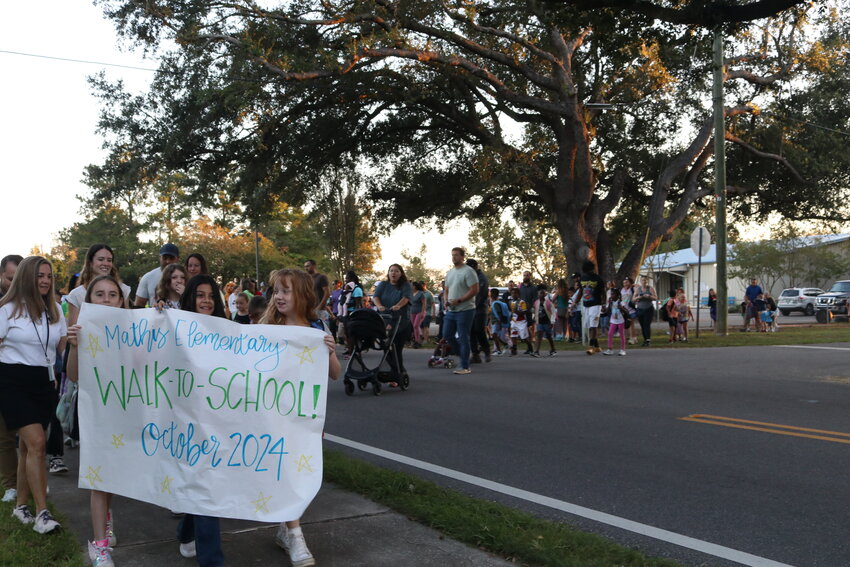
45	346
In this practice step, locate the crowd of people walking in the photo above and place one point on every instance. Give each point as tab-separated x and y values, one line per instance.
474	321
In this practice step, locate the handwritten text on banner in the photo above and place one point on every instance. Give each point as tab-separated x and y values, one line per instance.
200	414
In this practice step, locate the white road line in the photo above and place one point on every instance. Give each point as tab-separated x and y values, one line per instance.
622	523
813	347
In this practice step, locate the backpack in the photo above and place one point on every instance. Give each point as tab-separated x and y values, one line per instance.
665	312
503	317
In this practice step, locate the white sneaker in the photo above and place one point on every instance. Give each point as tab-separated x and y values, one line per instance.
293	542
44	522
110	530
100	556
10	495
23	514
188	549
622	353
608	352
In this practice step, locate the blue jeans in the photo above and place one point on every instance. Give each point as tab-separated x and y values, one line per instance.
207	535
460	323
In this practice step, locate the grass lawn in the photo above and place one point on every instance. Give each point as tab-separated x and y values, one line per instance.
501	530
20	546
786	335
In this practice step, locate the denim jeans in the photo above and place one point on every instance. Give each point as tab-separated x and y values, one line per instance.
459	323
207	535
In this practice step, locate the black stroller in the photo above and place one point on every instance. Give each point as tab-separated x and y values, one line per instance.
370	330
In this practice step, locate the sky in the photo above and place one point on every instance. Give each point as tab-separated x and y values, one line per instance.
49	117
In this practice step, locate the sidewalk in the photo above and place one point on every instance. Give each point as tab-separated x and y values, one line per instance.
342	529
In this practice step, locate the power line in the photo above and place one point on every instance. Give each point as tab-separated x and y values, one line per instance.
812	124
75	60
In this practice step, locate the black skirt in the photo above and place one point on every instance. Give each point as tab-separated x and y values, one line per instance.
27	395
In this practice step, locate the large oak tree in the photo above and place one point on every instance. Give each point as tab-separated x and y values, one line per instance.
580	113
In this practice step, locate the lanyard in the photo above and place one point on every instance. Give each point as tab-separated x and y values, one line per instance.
44	345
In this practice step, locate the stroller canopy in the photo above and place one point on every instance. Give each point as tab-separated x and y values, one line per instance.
366	325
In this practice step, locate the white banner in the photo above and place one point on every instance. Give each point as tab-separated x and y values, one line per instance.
200	414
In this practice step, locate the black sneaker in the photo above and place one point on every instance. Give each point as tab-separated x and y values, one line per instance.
57	466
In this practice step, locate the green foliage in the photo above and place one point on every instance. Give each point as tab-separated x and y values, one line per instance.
789	260
506	247
345	224
416	271
113	226
469	108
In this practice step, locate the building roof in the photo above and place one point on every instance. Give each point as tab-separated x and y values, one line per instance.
679	259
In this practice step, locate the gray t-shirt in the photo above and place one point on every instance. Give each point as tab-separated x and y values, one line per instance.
148	283
458	282
416	303
389	295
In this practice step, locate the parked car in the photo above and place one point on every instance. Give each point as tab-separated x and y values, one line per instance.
803	299
834	302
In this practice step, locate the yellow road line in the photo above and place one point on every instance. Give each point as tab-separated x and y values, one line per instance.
717	417
774	428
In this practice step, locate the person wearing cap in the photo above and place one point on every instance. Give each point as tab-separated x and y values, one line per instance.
168	254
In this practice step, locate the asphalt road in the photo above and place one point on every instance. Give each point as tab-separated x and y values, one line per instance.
606	433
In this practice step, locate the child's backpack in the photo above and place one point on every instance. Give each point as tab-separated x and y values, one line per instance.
503	316
665	312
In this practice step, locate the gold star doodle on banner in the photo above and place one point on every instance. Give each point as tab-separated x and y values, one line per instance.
166	484
306	355
118	440
93	475
304	463
94	345
260	503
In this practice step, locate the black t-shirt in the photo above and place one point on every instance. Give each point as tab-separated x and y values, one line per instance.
592	289
483	293
528	293
244	319
542	316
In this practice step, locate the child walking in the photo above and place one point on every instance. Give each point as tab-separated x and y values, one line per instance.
684	314
617	321
293	303
103	290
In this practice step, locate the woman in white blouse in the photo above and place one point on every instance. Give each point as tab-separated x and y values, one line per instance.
99	262
31	329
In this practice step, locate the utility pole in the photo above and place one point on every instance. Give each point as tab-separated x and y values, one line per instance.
720	183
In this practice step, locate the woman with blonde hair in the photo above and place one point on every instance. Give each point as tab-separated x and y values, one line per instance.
31	329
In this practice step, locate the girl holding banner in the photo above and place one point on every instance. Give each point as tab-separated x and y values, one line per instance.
31	329
103	290
293	303
200	536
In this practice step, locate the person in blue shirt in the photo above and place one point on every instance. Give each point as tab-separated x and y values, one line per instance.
753	290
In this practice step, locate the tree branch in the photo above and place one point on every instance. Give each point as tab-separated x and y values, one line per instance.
704	14
766	155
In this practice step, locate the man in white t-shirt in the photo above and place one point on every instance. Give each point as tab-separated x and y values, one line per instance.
168	254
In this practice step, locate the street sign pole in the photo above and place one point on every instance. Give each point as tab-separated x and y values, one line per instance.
699	279
700	244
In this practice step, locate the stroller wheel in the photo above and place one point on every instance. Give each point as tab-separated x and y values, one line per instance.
376	388
404	383
449	363
361	385
349	387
